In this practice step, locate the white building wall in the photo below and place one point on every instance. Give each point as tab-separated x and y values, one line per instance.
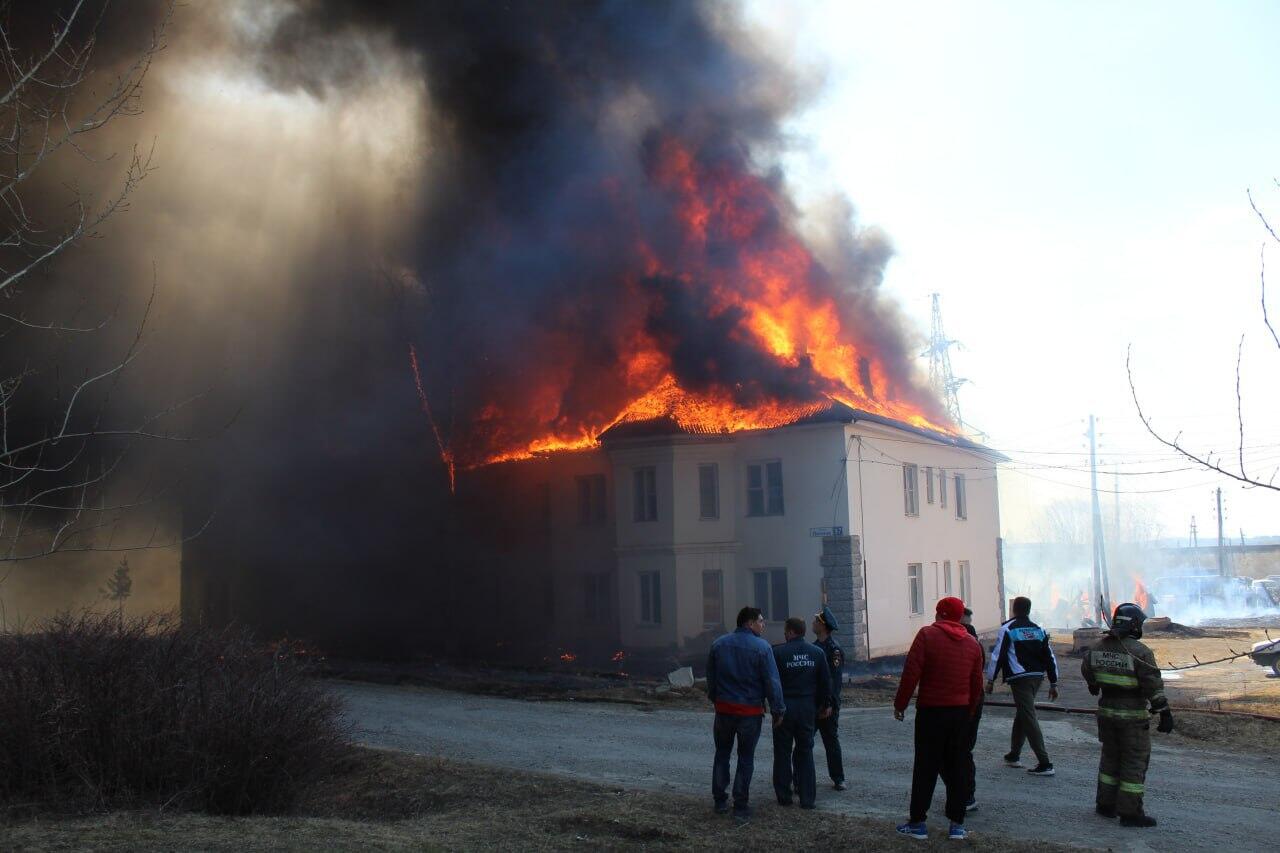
891	539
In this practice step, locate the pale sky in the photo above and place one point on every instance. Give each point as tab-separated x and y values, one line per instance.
1071	178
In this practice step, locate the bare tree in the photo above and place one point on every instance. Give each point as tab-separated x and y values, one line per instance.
59	448
1209	459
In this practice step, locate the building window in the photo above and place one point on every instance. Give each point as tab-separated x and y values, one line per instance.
764	488
946	577
712	599
910	488
591	504
770	587
645	494
942	488
708	491
962	506
915	589
651	598
966	582
928	484
937	581
597	603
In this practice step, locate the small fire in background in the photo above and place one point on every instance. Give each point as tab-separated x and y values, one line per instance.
618	656
568	657
1140	595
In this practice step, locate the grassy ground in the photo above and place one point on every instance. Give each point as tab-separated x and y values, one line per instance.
391	801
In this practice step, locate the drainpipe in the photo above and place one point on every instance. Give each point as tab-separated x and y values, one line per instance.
862	553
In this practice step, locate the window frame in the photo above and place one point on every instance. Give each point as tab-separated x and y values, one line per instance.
593	505
911	489
966	580
915	589
597	590
942	488
777	592
649	603
928	489
962	498
718	575
714	468
644	494
768	490
946	577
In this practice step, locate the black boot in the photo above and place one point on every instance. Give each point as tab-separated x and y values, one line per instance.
1137	820
1105	811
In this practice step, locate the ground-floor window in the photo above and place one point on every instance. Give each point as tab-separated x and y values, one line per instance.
966	582
712	598
597	598
651	598
915	588
946	577
770	588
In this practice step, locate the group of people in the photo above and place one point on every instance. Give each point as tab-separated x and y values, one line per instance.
945	670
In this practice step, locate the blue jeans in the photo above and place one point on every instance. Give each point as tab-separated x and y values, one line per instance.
746	731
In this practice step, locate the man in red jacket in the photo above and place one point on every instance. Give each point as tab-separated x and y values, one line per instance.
946	663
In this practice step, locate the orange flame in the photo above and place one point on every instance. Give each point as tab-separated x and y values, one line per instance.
1140	595
775	299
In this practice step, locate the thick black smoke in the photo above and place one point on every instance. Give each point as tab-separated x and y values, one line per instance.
511	256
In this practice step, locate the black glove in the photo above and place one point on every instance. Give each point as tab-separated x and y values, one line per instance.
1094	689
1166	722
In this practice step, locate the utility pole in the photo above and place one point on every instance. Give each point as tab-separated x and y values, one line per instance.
1222	553
1101	587
1195	542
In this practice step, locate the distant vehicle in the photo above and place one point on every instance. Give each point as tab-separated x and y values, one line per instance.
1267	653
1183	596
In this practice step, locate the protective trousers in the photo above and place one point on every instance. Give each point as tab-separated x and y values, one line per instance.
830	731
1122	772
793	754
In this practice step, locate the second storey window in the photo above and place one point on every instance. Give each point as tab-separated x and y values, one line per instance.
764	488
962	504
910	488
928	484
708	491
591	504
942	488
644	503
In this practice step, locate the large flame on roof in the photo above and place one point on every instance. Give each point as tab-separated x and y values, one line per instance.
741	266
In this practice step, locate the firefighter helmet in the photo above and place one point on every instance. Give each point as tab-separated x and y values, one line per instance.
1127	621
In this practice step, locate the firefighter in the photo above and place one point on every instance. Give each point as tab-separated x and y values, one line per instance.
1124	671
824	628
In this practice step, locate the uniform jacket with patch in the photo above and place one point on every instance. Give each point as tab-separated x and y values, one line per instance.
802	667
835	664
947	665
742	673
1022	650
1127	672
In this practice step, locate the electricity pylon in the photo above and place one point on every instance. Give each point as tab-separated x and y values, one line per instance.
944	382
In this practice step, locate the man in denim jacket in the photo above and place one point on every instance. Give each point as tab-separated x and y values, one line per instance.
741	674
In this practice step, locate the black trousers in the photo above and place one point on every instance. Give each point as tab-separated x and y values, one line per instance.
942	749
793	754
973	741
830	731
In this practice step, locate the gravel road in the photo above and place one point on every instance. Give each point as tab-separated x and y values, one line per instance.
1204	799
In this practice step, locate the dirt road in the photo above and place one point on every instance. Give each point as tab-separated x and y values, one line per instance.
1204	799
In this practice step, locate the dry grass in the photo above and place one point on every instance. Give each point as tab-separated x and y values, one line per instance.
391	801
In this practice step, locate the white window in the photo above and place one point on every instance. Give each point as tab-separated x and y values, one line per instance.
928	484
651	598
966	582
645	494
937	581
770	588
910	488
946	578
942	488
597	604
591	502
708	491
915	589
712	599
962	506
764	488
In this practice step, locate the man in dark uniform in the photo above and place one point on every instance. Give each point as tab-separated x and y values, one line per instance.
806	692
1125	672
824	626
